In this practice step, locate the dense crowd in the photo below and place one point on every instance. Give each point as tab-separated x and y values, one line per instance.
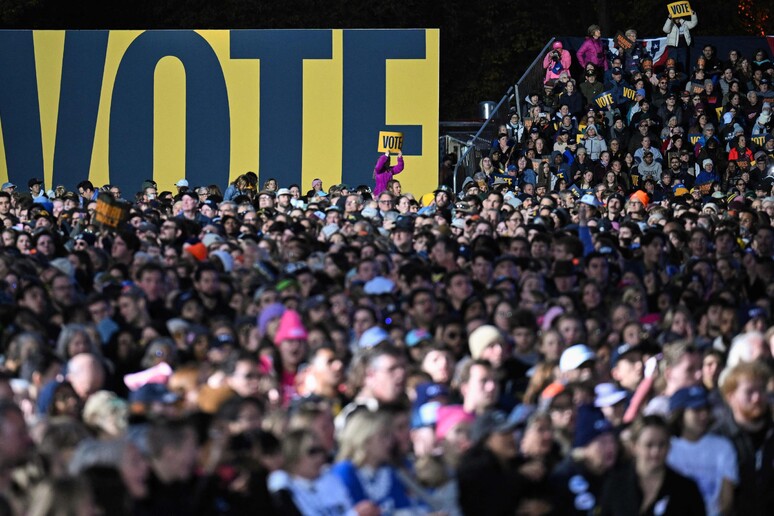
583	328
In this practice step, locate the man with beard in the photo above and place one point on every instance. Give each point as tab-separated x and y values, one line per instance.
207	286
171	232
443	197
748	424
283	200
614	205
680	175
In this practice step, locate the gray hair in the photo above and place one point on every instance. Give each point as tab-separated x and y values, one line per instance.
69	331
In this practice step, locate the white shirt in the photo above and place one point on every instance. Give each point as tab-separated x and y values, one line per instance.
324	496
708	461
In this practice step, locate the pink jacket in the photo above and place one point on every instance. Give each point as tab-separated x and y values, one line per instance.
552	71
383	174
592	51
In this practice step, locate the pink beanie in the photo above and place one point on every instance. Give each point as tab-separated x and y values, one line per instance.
448	417
290	328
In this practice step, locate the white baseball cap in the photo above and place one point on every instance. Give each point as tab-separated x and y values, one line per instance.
575	356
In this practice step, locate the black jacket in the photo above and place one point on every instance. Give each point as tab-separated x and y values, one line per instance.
576	491
755	455
678	496
486	486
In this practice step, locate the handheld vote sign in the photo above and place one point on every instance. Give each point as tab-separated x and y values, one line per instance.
604	99
629	93
392	142
679	9
110	211
693	138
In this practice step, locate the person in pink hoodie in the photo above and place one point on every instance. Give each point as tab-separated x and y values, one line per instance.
592	51
290	340
556	61
383	172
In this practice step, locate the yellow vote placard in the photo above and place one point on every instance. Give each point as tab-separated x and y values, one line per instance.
390	141
679	9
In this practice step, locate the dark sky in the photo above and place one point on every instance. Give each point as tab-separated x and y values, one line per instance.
485	44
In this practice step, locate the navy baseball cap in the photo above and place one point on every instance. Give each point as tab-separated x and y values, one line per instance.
689	398
620	351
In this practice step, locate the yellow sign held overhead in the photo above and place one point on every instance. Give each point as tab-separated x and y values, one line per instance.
679	9
389	141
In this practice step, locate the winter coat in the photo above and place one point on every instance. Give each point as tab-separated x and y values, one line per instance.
672	30
592	51
384	174
555	68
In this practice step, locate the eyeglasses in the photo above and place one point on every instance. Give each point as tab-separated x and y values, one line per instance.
385	201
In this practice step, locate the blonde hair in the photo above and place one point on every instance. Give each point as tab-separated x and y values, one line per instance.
294	444
361	426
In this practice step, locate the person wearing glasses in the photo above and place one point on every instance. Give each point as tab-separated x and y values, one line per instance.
304	487
383	172
386	202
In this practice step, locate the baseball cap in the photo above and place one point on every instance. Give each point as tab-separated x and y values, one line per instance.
689	398
8	185
379	286
372	337
590	200
617	71
575	356
490	423
34	181
622	350
183	183
589	425
283	191
608	394
417	336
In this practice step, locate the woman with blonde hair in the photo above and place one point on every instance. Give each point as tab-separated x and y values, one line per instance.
303	488
364	462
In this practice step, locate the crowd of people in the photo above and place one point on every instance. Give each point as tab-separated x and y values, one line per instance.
583	328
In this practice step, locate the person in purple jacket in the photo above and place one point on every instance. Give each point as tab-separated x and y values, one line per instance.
383	172
592	51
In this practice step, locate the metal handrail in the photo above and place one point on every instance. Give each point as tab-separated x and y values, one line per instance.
470	146
528	72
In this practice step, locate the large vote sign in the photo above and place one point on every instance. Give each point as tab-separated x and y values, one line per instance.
123	106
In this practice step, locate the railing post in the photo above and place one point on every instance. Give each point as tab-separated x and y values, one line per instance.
475	137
